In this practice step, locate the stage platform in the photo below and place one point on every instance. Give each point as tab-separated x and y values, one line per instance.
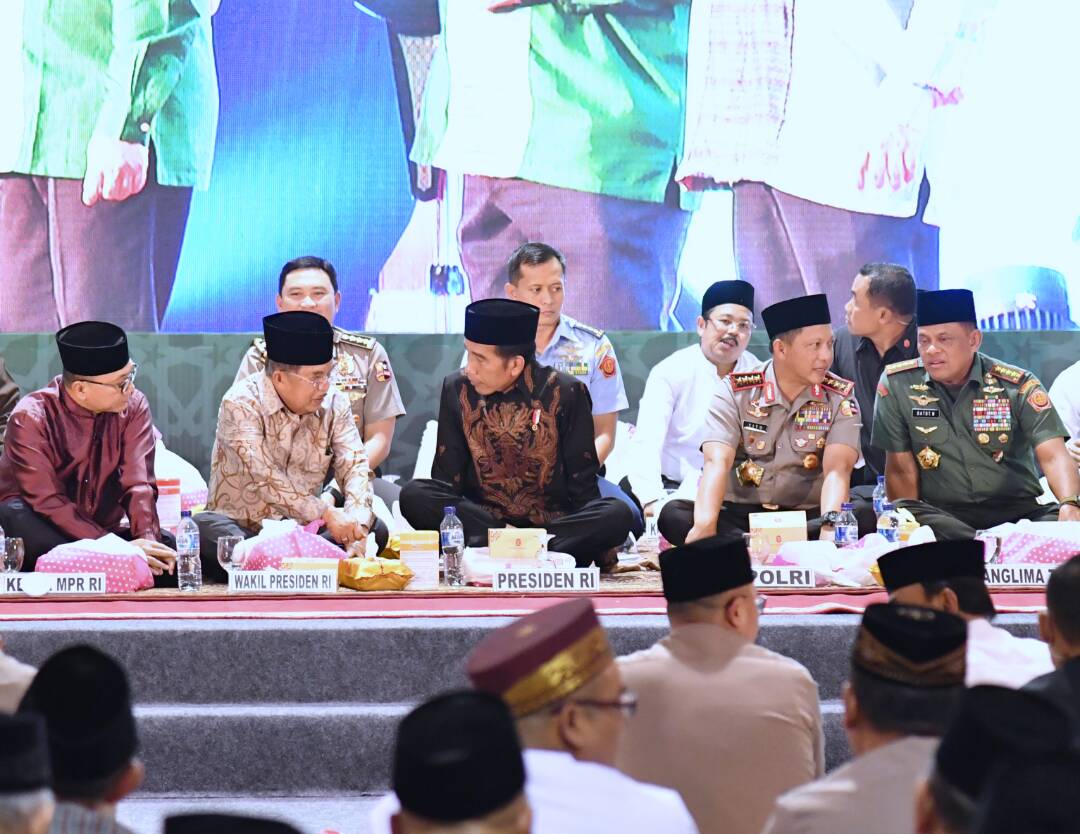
295	699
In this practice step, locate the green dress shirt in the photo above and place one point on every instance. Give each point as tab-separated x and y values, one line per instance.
137	70
607	82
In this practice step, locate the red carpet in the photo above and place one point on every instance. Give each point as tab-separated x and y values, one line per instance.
215	605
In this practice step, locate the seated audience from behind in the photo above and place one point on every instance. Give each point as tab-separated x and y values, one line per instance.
26	803
83	697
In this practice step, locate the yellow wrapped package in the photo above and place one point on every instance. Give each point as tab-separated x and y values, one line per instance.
362	574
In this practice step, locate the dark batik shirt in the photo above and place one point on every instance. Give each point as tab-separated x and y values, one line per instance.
856	358
526	455
82	471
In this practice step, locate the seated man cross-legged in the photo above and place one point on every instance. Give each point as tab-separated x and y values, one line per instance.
278	435
515	445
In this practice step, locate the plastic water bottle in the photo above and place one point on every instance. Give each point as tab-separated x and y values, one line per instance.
880	497
188	564
888	523
452	544
847	528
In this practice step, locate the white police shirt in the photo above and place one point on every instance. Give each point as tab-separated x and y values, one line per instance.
671	420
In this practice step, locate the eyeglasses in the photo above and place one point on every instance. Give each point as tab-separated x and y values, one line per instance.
742	326
320	382
123	386
626	703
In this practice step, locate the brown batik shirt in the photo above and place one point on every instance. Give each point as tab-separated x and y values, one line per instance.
526	455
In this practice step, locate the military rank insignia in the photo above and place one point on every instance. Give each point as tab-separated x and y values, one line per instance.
743	382
991	415
1007	373
838	385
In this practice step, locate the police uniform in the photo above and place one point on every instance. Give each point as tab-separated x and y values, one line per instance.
779	448
973	446
363	373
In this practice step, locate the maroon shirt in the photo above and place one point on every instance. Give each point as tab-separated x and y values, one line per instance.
82	470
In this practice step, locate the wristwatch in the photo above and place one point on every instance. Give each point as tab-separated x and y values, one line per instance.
1071	499
830	518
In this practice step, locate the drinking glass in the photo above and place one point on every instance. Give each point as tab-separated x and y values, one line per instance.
226	552
13	554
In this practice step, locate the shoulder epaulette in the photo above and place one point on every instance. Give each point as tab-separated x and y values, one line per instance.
1007	372
358	339
745	381
594	331
838	384
906	365
259	343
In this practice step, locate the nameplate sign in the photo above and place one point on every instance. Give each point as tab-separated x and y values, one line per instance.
40	584
283	581
1019	575
783	577
546	580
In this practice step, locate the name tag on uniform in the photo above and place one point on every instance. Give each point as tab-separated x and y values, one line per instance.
1020	575
752	426
925	413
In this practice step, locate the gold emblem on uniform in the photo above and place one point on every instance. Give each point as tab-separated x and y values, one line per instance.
928	458
918	386
810	461
760	445
992	389
749	473
922	400
983	438
845	408
1003	438
998	455
821	443
926	429
755	410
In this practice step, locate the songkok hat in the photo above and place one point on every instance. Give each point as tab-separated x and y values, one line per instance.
83	696
794	313
944	306
912	646
993	725
705	567
932	562
92	348
298	338
542	658
500	321
728	292
225	824
457	758
1032	797
24	754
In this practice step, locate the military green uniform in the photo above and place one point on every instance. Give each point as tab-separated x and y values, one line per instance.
974	446
779	449
363	373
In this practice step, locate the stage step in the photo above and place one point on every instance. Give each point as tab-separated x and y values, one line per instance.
368	660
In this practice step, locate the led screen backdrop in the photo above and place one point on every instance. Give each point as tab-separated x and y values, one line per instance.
660	144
